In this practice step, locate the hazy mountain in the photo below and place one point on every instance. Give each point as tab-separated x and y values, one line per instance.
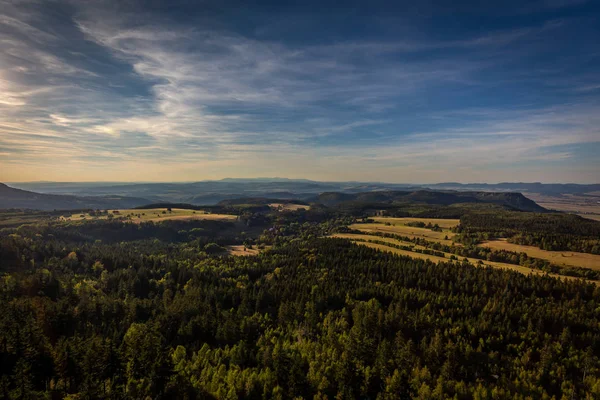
17	198
552	189
510	200
211	192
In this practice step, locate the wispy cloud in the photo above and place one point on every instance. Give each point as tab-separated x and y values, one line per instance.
114	87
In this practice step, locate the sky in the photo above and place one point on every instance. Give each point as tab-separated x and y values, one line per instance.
411	92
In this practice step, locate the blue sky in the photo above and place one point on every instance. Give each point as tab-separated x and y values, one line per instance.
190	90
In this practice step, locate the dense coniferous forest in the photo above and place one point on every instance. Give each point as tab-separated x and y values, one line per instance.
111	309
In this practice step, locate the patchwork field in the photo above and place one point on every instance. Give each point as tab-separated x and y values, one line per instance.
153	214
398	226
355	236
517	268
586	206
409	231
569	258
445	224
401	252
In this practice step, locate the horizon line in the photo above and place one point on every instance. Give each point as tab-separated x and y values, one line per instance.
301	179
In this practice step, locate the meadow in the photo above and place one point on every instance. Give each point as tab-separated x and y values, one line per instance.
569	258
445	224
356	236
152	214
397	228
241	250
474	261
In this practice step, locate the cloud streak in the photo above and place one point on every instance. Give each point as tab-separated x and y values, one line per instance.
115	88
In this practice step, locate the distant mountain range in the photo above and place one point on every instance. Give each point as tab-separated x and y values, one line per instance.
17	198
102	195
207	193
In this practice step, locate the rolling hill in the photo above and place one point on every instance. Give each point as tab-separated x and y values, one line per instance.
23	199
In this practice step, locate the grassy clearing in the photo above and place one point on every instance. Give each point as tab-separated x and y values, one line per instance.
517	268
595	217
404	230
154	214
445	224
238	250
355	236
568	258
288	206
412	254
16	218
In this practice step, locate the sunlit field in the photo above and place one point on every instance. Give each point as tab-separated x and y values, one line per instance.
512	267
442	223
152	214
444	237
355	236
569	258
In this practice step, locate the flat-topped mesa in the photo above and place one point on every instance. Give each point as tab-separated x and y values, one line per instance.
511	200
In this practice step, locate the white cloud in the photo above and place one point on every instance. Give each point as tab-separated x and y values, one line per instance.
215	103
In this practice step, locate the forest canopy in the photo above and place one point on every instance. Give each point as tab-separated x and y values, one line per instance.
110	309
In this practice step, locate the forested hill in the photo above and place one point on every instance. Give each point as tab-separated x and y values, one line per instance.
17	198
314	319
511	200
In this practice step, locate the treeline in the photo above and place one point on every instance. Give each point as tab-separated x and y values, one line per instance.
548	231
361	209
312	318
403	247
471	250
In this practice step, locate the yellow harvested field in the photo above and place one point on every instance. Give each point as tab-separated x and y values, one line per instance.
238	250
154	214
402	252
288	206
568	258
404	230
355	236
442	223
512	267
595	217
